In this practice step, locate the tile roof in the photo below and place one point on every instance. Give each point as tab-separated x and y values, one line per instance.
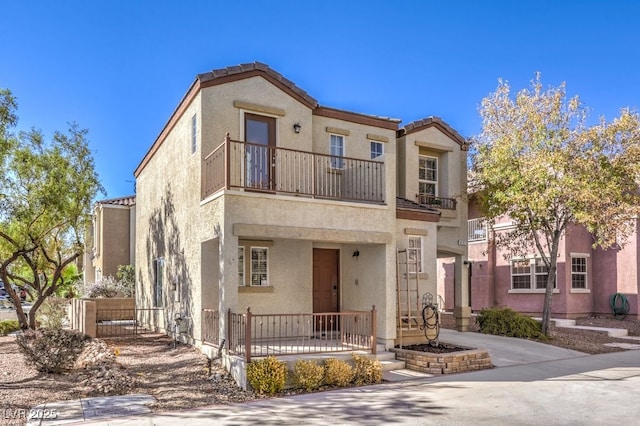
257	66
129	200
417	125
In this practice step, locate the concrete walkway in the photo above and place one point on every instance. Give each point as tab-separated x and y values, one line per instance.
533	383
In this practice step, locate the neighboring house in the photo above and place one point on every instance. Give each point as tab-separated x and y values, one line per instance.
110	241
585	280
255	196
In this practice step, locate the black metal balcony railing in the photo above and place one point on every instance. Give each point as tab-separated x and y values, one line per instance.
243	165
437	202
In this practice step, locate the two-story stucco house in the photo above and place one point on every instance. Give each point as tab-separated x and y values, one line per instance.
255	196
110	240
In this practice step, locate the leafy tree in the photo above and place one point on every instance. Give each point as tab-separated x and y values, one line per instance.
46	190
126	275
538	162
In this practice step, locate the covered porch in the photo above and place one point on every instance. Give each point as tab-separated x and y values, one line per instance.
250	335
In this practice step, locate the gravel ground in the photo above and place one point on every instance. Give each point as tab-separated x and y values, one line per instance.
181	378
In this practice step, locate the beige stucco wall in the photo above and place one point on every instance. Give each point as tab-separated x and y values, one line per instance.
427	280
199	239
452	182
167	225
221	116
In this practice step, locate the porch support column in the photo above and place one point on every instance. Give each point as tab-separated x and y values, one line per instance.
461	310
228	281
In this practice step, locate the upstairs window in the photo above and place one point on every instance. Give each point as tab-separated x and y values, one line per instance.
428	175
337	151
376	150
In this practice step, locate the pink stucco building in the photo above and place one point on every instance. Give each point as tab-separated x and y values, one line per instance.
585	282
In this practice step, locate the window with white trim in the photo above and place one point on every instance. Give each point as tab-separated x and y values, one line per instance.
414	254
241	266
194	128
529	274
427	175
579	272
376	149
259	266
337	151
158	282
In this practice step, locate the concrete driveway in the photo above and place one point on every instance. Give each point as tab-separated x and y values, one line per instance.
583	390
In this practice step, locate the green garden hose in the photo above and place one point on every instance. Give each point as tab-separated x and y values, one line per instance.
619	305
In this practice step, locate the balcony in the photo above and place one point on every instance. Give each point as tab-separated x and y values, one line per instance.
436	202
477	230
261	168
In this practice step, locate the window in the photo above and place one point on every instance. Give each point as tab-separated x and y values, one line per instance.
414	254
337	150
376	150
241	266
253	263
529	274
158	284
520	274
259	263
428	175
579	273
194	143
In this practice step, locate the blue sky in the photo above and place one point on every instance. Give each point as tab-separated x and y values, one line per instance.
120	67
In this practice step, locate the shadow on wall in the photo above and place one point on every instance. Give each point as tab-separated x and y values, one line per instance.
163	242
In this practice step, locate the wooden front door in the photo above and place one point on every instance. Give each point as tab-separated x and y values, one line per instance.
326	284
260	135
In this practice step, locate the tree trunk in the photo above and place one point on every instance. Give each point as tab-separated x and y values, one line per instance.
551	279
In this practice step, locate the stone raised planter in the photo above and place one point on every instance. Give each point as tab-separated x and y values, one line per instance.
446	363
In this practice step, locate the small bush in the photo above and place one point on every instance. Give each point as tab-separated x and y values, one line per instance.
8	326
51	350
338	372
507	322
308	375
367	370
267	376
52	313
106	287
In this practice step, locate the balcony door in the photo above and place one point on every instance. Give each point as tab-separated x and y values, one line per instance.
260	135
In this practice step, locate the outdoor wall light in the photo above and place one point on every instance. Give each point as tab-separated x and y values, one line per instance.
297	127
356	254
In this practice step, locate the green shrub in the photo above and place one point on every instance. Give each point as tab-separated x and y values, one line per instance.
267	376
52	312
507	322
51	350
308	375
338	372
367	370
8	326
